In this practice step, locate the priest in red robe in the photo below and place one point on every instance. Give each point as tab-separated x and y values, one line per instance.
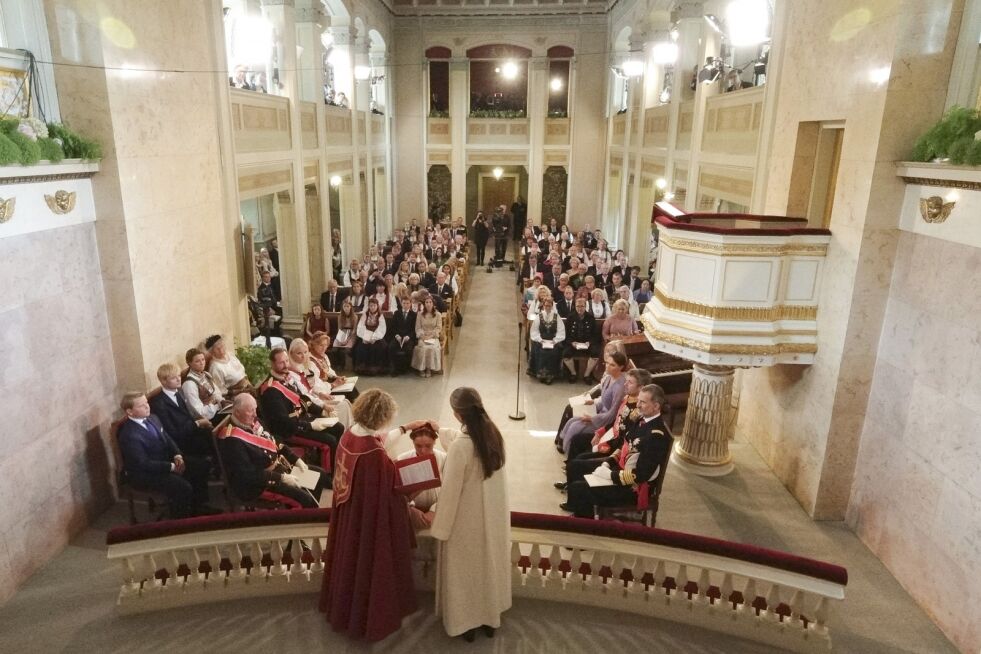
368	575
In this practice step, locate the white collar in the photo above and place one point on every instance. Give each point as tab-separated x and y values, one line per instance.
360	430
171	394
647	420
138	421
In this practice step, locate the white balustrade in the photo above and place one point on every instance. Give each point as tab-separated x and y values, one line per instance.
707	591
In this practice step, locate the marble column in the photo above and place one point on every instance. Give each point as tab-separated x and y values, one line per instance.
704	445
537	113
459	112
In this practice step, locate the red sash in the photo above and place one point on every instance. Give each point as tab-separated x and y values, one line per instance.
231	431
272	382
349	450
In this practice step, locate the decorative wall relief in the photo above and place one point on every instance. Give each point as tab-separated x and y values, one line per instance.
438	189
7	209
61	202
934	210
554	186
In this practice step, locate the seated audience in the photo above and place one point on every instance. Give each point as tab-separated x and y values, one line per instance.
289	413
422	505
427	354
442	287
402	337
316	321
347	332
624	294
192	435
257	466
582	341
352	274
371	350
611	394
566	303
307	376
532	291
153	462
620	324
357	296
643	293
633	468
331	299
203	397
547	334
225	368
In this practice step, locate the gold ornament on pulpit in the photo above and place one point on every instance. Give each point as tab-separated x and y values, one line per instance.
934	210
61	202
7	209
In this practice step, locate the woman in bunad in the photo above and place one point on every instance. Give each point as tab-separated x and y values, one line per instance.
203	397
402	276
306	375
225	368
385	300
472	523
620	264
346	337
316	321
325	372
536	302
547	334
566	236
371	350
357	296
427	354
402	333
598	305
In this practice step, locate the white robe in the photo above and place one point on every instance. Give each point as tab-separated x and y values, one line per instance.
473	527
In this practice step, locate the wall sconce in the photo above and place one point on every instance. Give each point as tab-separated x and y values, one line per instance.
335	181
934	210
498	172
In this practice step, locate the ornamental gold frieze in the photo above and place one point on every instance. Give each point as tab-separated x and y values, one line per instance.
729	333
741	314
744	249
729	348
966	185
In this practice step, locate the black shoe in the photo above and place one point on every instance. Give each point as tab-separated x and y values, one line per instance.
565	507
560	485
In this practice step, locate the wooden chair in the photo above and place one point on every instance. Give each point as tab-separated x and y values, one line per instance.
630	512
155	502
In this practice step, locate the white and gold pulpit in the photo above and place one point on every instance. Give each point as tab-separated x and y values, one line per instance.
732	290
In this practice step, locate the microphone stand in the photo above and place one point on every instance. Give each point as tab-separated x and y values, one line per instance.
518	413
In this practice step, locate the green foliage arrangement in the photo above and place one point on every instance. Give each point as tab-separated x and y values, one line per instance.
439	114
952	137
50	150
496	113
9	152
255	359
30	153
74	145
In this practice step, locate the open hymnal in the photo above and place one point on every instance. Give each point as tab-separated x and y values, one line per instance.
347	386
320	424
602	476
580	346
308	478
548	345
418	473
580	408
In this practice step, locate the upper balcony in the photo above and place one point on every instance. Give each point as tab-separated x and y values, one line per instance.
497	131
260	122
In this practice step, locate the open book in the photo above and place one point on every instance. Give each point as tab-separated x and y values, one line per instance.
418	473
347	386
307	479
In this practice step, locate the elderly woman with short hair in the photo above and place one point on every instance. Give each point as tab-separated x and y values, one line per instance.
226	370
620	324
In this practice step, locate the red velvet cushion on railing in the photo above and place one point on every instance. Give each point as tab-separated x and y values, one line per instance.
215	523
692	542
606	528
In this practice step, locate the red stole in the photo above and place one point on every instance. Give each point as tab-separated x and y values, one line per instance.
349	450
272	382
231	431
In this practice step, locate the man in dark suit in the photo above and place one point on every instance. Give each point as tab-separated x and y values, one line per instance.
632	469
332	298
192	436
257	466
152	461
442	288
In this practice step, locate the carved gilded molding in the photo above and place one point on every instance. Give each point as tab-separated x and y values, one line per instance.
946	183
744	250
730	348
61	202
743	314
32	179
7	208
736	332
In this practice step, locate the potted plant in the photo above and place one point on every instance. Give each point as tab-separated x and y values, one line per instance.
255	360
953	139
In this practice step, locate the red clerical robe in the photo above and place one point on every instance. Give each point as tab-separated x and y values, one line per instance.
368	575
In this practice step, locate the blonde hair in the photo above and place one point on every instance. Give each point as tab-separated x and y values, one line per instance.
167	370
374	409
621	303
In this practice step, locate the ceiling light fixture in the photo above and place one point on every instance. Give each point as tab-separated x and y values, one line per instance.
661	183
498	172
748	22
335	181
633	68
556	84
509	70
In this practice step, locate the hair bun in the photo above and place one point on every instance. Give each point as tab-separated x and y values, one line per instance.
211	340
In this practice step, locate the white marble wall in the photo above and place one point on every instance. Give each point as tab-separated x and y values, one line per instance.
882	70
916	499
57	395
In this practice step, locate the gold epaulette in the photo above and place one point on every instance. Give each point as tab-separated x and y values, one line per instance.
657	431
627	477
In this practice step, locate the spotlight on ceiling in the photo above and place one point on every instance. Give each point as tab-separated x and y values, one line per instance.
556	84
498	172
335	180
509	70
714	23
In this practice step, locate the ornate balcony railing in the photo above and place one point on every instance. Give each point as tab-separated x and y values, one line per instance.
744	591
260	122
497	131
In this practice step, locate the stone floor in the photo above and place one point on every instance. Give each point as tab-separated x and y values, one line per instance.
68	605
